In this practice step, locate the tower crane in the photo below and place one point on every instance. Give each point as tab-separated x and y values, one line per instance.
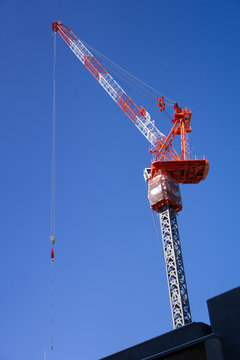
168	169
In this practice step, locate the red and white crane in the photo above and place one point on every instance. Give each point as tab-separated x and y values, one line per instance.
167	170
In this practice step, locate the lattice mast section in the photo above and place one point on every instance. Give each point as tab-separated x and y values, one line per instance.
179	300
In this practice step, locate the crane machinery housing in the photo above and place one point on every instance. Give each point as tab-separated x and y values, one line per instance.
168	169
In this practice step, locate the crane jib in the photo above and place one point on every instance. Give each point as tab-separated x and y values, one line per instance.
143	123
162	147
94	66
123	100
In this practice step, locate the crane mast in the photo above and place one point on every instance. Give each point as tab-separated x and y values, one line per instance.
168	169
165	198
177	285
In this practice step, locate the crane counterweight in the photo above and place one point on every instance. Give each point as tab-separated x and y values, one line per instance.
163	190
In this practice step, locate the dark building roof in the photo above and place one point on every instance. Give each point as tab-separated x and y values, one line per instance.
196	341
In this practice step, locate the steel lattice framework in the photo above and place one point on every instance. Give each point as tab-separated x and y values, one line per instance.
177	285
164	194
161	145
140	117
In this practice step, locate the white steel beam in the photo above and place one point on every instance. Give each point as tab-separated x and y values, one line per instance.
181	314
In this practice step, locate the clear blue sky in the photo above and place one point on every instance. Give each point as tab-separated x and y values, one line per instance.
110	282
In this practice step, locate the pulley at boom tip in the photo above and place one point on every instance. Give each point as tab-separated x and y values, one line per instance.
55	25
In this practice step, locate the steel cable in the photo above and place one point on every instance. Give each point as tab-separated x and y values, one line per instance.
52	226
156	228
52	230
141	83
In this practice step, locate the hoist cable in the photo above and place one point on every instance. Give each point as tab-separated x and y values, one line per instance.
52	302
156	227
129	74
52	230
131	80
140	83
